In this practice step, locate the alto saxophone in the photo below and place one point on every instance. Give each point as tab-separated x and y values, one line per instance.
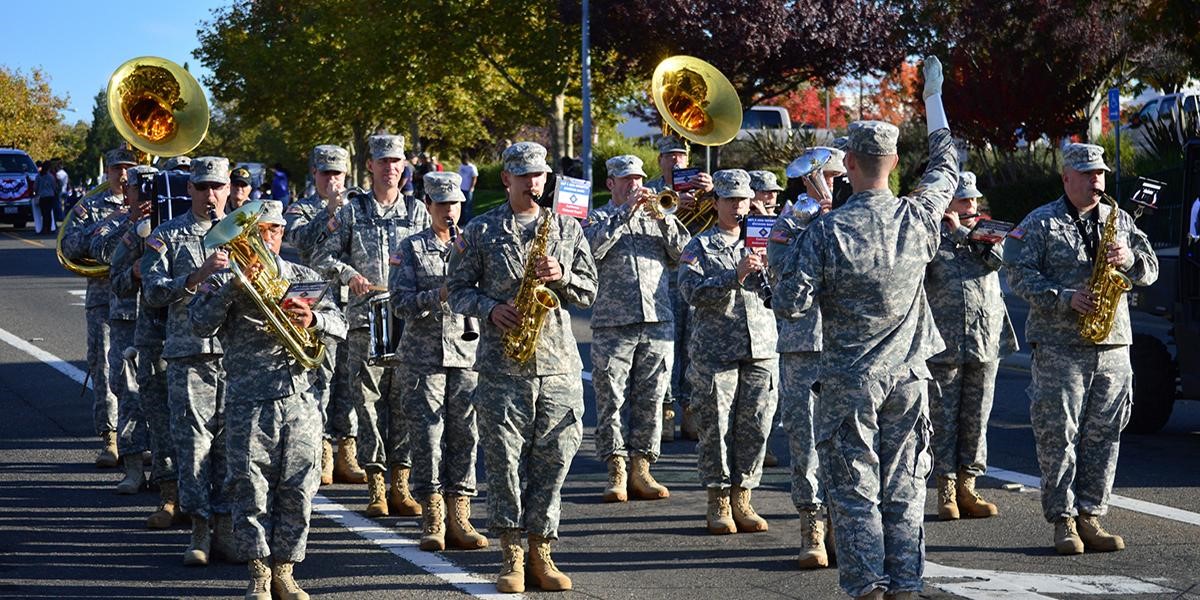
534	300
1107	284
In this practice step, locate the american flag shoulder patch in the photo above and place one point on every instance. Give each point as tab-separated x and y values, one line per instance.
156	245
294	209
1017	233
396	259
780	236
333	224
461	243
79	209
688	258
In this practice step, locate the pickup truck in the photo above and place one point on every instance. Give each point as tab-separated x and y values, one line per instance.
18	178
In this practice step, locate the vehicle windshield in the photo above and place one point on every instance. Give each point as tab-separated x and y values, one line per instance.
15	163
761	119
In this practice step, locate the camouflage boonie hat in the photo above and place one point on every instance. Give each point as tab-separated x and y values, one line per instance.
328	157
874	138
386	146
764	181
119	156
732	183
210	169
1084	157
442	187
525	157
669	143
272	213
178	162
966	186
623	165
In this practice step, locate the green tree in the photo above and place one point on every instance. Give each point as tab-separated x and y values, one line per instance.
29	113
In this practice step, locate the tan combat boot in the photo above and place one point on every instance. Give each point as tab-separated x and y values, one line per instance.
1066	537
1095	538
377	506
400	500
168	513
616	490
135	475
687	425
512	569
107	457
541	570
433	526
642	484
345	466
260	580
812	541
668	423
223	545
744	516
770	460
459	531
947	502
326	463
197	552
285	586
970	502
720	521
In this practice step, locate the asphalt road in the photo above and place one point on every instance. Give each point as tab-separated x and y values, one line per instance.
64	533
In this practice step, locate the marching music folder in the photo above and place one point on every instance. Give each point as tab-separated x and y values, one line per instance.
308	292
990	231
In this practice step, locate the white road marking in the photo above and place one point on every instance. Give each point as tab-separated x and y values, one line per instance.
56	363
985	584
80	293
1149	508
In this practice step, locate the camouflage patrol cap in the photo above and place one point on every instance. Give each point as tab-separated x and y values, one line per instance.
386	146
966	186
443	186
623	165
133	173
836	156
328	157
874	138
178	162
119	156
764	181
272	213
525	157
669	143
1084	157
732	183
210	169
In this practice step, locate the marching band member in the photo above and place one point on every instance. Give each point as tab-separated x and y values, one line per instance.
766	193
968	307
530	414
437	366
734	364
1080	395
362	235
632	328
273	423
239	188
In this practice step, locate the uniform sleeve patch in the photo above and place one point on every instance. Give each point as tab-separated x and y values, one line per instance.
1017	233
127	239
688	258
79	209
461	243
781	236
333	224
156	244
295	209
396	259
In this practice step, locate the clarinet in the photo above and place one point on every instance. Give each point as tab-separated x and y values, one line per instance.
470	327
764	285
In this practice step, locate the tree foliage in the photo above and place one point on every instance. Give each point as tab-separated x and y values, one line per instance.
29	117
807	105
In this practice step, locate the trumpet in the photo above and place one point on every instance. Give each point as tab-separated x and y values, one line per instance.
470	326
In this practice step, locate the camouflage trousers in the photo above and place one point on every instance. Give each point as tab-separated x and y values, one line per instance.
122	378
959	406
530	429
680	389
1080	400
152	391
631	370
331	386
442	429
873	443
382	438
104	401
797	374
196	395
734	404
274	449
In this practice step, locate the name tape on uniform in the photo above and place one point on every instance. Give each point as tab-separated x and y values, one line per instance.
758	231
573	197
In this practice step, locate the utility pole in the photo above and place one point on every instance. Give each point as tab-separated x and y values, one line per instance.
587	98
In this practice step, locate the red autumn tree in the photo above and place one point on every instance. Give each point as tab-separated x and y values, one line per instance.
807	105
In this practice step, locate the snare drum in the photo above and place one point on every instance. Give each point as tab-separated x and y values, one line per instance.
385	331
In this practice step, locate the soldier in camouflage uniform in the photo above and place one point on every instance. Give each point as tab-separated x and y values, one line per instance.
632	328
764	203
437	366
306	229
799	350
531	413
864	265
734	364
672	153
1081	392
361	237
968	307
76	245
273	421
173	267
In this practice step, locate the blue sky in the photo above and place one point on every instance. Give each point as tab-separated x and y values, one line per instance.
79	43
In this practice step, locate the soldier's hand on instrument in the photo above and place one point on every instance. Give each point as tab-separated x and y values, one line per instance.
749	264
505	316
338	199
548	269
359	285
702	181
687	201
139	210
216	261
300	314
933	76
1119	256
951	219
1083	303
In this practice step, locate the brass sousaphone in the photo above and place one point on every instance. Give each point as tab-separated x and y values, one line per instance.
160	109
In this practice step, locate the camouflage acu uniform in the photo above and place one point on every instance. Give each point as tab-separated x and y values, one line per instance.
1080	393
273	423
632	329
436	375
968	307
679	389
360	239
530	415
864	265
195	379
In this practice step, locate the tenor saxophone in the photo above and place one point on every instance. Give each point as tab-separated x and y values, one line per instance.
1107	284
534	300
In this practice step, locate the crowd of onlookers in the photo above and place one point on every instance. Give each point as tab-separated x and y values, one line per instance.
54	195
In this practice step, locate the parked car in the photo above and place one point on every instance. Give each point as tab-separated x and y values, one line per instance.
1167	109
18	177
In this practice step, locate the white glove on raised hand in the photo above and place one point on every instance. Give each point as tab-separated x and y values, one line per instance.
933	76
935	113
